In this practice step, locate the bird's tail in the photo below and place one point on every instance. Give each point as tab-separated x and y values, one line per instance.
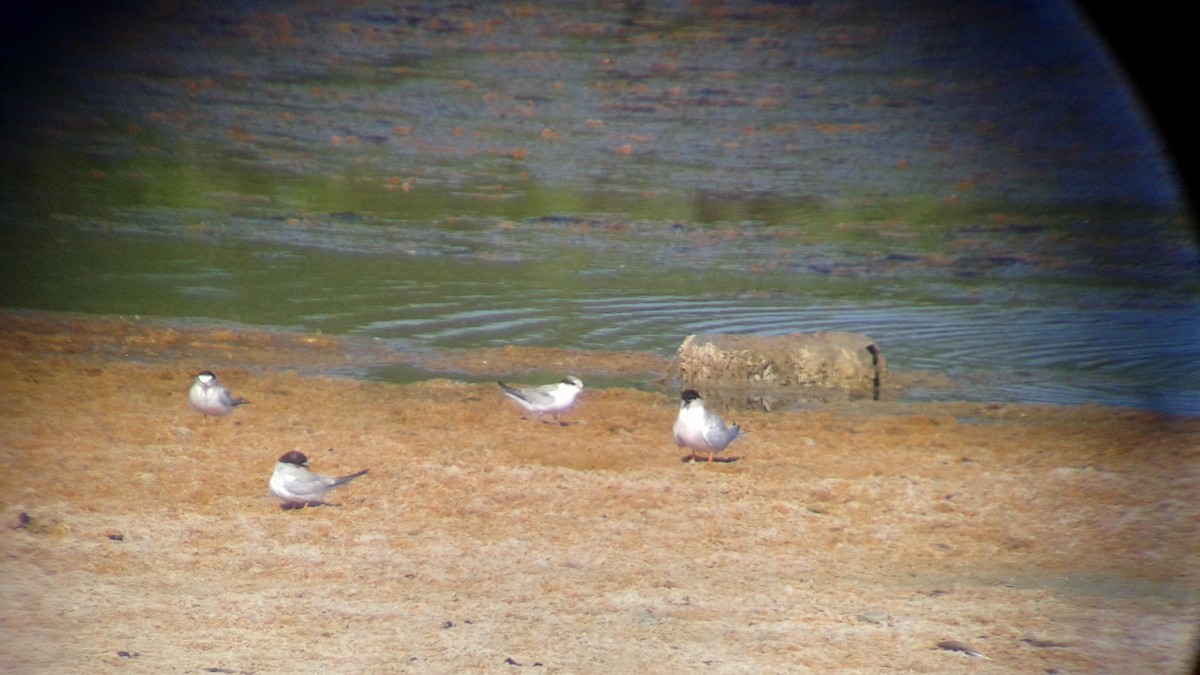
511	391
347	478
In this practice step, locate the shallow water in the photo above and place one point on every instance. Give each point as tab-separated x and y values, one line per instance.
969	186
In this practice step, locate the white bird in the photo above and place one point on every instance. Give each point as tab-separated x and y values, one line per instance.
296	487
211	398
699	430
548	399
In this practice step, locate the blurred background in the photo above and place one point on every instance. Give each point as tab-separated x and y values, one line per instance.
993	191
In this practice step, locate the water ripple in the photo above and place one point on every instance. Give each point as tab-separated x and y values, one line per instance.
1029	344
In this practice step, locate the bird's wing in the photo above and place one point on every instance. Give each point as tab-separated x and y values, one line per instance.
540	396
513	392
308	486
717	435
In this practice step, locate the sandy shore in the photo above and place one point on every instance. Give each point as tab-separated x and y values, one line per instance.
850	538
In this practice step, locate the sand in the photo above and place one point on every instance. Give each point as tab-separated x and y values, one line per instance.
851	537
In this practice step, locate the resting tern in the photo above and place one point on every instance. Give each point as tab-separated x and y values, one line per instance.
296	487
210	397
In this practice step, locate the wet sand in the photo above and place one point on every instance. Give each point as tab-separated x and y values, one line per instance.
851	537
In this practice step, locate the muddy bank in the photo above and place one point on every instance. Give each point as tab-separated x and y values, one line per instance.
851	537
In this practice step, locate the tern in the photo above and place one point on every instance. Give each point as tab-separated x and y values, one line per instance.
210	397
699	430
295	486
549	399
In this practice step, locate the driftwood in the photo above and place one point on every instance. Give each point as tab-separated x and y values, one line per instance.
814	366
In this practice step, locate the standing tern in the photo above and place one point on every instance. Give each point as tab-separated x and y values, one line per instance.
549	399
699	430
